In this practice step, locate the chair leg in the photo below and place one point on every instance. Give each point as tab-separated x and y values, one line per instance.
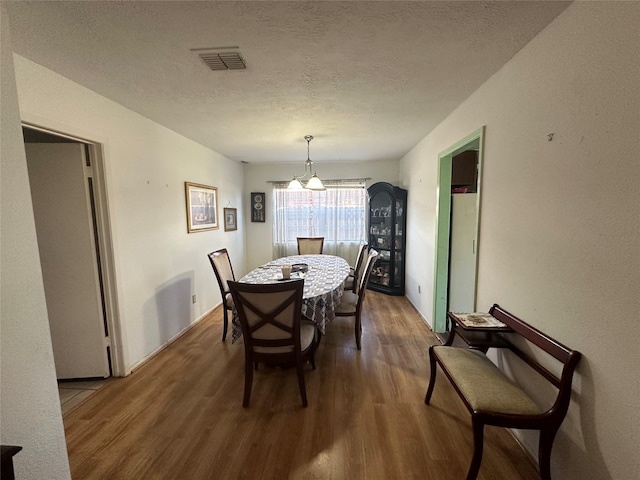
303	390
312	358
248	381
432	378
478	442
358	332
544	451
226	322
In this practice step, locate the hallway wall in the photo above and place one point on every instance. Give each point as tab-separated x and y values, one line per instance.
30	407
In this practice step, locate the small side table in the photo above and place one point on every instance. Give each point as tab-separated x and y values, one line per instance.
478	337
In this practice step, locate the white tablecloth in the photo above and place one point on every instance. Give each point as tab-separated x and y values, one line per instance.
323	284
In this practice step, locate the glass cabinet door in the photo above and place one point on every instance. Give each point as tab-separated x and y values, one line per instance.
398	263
381	236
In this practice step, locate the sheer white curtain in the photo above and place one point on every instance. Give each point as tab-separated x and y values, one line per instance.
339	214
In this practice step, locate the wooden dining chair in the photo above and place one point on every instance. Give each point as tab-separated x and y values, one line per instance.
270	315
310	245
351	303
221	264
352	280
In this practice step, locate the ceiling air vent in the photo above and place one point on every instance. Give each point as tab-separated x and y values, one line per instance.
221	60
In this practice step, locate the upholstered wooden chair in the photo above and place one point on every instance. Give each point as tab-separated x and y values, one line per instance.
351	283
310	245
273	330
351	303
221	264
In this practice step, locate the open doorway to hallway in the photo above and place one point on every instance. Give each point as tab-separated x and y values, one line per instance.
457	226
74	241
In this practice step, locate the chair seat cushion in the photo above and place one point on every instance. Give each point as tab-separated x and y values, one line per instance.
348	303
483	384
228	301
307	336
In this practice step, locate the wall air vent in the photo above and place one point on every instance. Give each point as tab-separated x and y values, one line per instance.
217	59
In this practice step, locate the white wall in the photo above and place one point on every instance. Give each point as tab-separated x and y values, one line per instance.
30	408
260	235
158	265
559	235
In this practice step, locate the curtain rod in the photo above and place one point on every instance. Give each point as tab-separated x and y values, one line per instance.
341	180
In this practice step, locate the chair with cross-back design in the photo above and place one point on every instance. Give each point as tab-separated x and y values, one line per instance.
270	316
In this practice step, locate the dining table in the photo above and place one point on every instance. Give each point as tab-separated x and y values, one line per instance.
324	277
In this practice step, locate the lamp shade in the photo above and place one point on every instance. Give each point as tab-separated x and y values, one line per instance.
295	184
315	183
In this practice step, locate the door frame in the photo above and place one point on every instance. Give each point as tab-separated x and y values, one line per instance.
95	151
443	225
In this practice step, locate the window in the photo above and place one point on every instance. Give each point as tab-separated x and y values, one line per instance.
338	214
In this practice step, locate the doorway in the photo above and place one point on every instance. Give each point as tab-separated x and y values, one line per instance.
457	226
67	190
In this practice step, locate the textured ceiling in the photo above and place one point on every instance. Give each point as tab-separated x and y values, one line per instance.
367	79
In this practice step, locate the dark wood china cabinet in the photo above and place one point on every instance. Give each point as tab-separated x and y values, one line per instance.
387	234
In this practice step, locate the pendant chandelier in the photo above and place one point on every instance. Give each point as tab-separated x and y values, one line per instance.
314	183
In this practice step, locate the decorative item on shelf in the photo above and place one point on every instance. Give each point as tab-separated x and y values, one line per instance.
257	207
385	256
314	182
202	207
383	242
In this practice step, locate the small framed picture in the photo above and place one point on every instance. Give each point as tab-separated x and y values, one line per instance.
202	207
230	219
257	207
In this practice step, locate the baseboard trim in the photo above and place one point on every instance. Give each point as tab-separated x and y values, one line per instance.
424	319
530	455
137	365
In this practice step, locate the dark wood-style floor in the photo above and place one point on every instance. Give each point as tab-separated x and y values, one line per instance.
180	415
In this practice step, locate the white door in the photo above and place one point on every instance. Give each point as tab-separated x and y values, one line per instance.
58	175
462	266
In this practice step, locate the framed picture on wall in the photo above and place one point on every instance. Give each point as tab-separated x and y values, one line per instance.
230	219
202	207
257	207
